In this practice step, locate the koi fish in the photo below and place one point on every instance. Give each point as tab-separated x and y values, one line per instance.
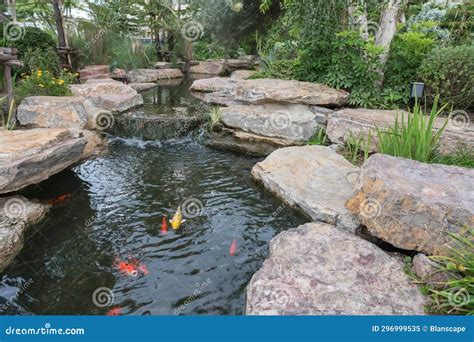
177	220
114	312
126	268
59	200
233	248
164	226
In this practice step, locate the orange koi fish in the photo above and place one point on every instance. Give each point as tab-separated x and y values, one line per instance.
164	226
126	268
59	200
233	248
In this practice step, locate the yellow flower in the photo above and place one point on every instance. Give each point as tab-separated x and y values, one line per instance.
61	82
41	85
39	73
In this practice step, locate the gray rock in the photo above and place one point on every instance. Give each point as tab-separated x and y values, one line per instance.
142	86
314	179
162	65
428	271
216	67
316	269
242	74
153	75
296	123
359	122
30	156
109	95
53	112
16	215
413	205
261	91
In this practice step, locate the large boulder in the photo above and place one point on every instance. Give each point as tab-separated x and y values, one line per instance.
316	269
53	112
358	122
314	179
260	91
30	156
414	205
108	94
16	215
143	86
94	72
153	75
242	74
215	67
291	122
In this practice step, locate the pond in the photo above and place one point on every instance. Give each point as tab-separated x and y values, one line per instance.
74	262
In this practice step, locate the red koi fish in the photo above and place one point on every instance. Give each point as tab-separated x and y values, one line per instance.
164	226
114	312
233	248
126	268
59	200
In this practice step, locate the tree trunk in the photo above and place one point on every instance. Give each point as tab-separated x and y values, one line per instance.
62	41
12	4
357	10
387	30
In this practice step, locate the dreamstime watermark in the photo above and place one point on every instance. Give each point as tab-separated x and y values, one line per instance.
103	297
373	28
275	214
192	31
281	120
46	330
200	288
13	298
104	120
459	297
459	119
192	207
15	208
12	30
280	296
370	209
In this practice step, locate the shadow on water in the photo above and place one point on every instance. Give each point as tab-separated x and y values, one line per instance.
116	210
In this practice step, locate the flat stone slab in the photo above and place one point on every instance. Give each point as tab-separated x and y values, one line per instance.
360	121
153	75
143	86
94	72
316	269
16	215
413	205
262	91
30	156
242	74
296	123
108	94
314	179
209	68
53	112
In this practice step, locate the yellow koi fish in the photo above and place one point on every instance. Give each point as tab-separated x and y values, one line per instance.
177	219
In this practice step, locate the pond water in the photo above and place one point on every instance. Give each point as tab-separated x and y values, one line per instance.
71	265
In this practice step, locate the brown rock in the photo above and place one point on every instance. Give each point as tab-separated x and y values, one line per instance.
30	156
94	72
413	205
316	269
16	215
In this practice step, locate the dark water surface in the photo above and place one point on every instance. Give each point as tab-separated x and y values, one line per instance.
116	209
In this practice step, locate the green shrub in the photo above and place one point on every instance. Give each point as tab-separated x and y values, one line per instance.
43	59
44	83
348	62
33	38
281	69
450	73
204	50
413	137
407	51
